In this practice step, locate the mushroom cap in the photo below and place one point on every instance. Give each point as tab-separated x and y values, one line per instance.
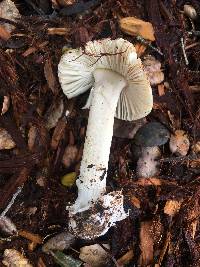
76	67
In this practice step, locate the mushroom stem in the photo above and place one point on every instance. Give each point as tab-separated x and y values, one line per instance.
93	171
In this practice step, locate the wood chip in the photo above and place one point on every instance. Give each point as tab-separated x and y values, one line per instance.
6	141
172	207
161	89
146	243
69	157
134	26
49	75
41	263
140	49
179	143
30	236
126	258
6	104
58	133
4	34
57	31
135	201
33	49
153	181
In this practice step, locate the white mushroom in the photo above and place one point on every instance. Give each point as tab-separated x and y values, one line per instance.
119	88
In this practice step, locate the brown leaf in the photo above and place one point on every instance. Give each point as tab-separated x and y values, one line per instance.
4	34
49	75
134	26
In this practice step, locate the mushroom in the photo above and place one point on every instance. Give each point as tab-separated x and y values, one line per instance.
119	88
145	148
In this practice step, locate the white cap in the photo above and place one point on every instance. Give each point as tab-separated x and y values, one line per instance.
76	67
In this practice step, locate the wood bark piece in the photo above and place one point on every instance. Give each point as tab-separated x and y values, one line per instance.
135	27
15	181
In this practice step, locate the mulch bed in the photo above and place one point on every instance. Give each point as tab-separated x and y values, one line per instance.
28	75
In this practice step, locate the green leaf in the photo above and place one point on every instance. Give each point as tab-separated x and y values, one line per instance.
65	260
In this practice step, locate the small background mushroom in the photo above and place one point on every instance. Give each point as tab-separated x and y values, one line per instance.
145	148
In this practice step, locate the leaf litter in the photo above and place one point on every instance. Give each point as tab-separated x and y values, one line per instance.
40	141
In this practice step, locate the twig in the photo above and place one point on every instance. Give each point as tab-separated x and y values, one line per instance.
143	41
19	189
192	45
196	33
184	53
110	254
179	159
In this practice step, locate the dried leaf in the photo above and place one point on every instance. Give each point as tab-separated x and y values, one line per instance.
69	179
6	141
49	75
65	260
59	242
94	255
13	258
69	157
172	207
134	26
179	143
